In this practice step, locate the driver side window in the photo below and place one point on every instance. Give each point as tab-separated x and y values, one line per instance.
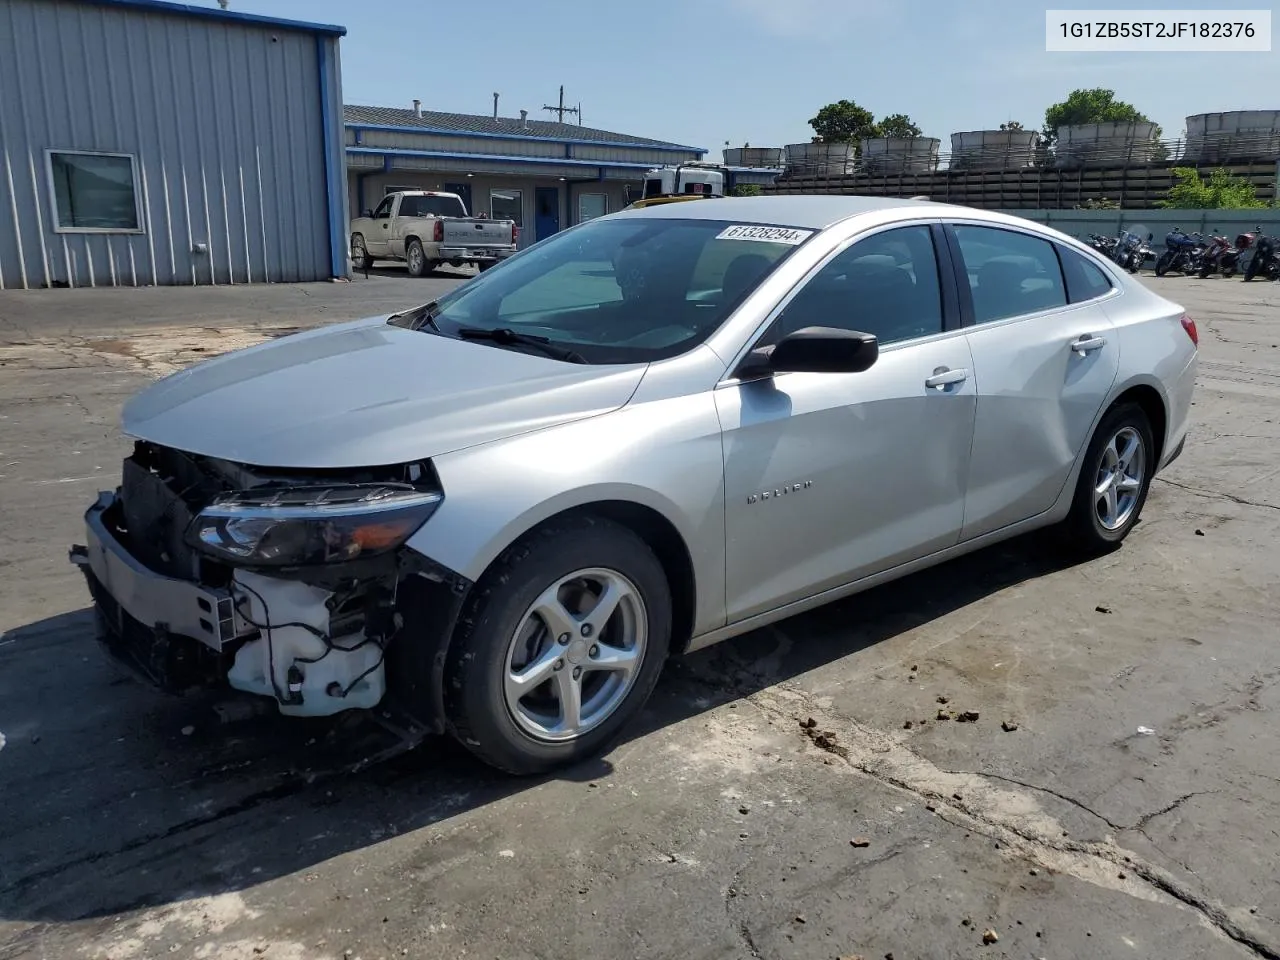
886	285
384	208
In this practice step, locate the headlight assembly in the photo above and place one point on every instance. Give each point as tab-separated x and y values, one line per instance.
307	526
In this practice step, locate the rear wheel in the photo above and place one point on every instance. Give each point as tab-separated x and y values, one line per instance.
1115	478
1204	271
560	647
416	259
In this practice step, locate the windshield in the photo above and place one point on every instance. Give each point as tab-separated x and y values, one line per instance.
624	290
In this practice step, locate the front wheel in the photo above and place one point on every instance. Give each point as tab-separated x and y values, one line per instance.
360	259
1251	270
1114	480
560	647
1204	271
1164	263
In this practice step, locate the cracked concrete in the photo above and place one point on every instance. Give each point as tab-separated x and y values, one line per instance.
1132	812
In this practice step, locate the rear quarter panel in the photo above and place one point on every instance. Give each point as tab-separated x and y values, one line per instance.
1155	351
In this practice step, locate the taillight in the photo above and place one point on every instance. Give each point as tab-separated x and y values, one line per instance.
438	233
515	232
1189	325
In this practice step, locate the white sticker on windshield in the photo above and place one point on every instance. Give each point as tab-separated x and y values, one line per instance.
748	231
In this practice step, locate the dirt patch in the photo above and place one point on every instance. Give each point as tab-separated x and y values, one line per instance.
159	352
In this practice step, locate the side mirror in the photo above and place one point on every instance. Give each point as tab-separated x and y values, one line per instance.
1151	236
814	350
369	214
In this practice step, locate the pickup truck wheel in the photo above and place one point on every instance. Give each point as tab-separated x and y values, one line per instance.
416	259
559	648
360	259
1113	484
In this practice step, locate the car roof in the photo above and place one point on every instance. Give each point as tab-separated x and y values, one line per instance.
812	212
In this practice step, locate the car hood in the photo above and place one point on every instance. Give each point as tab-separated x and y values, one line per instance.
366	394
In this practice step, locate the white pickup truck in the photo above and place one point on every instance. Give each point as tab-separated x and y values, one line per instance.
426	228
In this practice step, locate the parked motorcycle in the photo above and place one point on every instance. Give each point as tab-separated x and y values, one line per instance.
1265	260
1214	251
1104	245
1182	252
1233	258
1131	251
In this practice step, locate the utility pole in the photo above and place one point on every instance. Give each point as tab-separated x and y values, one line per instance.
495	106
561	110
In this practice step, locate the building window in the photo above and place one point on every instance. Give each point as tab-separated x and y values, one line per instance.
592	205
507	205
94	192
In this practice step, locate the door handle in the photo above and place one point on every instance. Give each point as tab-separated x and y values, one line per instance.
1087	343
943	378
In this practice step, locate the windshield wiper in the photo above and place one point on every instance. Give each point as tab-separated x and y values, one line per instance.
505	336
418	317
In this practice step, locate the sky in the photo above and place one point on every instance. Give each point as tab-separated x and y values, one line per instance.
702	72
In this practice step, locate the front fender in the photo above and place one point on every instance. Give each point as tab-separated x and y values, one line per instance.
665	455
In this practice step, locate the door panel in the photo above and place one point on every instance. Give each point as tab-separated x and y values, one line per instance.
547	212
1039	386
378	241
832	477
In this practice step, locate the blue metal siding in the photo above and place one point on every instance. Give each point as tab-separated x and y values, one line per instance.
225	119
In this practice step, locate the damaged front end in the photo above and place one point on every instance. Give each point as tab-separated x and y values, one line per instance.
291	584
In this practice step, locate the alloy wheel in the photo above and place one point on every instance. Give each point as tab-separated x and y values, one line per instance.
1121	473
576	654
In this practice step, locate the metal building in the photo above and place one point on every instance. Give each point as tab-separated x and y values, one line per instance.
542	174
148	142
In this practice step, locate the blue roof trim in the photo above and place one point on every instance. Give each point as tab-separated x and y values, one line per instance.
226	16
445	132
497	158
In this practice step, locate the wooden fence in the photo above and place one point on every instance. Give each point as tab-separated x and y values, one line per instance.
1133	187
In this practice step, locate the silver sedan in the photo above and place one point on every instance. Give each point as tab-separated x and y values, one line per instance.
500	512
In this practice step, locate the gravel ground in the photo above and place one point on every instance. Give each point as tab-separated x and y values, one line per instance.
795	793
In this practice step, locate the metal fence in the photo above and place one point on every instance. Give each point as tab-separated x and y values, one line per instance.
1228	223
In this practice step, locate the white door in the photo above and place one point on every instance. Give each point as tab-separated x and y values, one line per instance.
378	241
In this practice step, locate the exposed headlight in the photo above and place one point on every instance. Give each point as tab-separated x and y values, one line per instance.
305	526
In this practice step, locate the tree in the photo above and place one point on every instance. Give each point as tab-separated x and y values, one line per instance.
897	125
1011	125
843	122
1222	192
746	190
1090	106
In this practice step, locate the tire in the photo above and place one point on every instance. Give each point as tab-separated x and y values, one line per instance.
1228	272
416	259
500	635
360	259
1251	270
484	265
1204	271
1086	528
1163	264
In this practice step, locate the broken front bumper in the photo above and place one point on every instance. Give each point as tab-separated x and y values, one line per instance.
174	631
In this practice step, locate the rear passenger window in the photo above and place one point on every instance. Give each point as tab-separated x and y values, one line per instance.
1085	281
1010	273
